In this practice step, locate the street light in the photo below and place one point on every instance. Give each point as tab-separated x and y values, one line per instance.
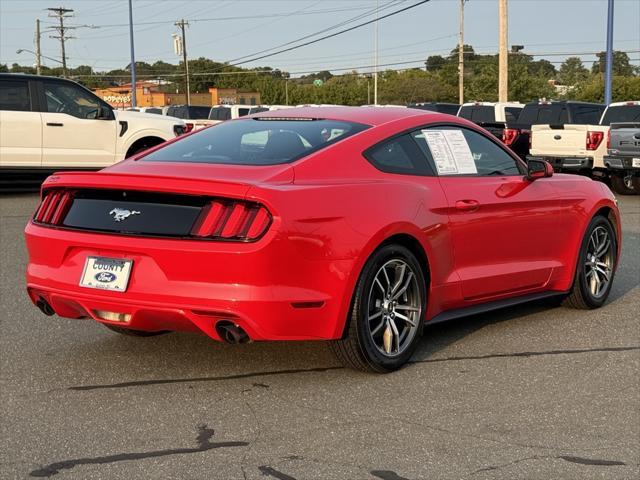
20	50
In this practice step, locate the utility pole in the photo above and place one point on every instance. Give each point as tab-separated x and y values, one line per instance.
503	65
133	59
375	60
61	13
38	53
461	55
182	24
609	64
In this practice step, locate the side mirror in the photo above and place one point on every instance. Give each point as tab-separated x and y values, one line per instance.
538	169
104	113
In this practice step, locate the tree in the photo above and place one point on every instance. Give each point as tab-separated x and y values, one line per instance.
572	71
621	65
434	63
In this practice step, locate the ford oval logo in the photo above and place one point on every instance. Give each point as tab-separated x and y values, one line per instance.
105	277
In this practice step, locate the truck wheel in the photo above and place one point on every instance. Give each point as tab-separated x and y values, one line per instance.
623	185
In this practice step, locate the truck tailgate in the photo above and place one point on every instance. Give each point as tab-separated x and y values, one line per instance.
569	140
625	139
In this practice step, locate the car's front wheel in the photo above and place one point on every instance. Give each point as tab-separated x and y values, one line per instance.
387	312
596	266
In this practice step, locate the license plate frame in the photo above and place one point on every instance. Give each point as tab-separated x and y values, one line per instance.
106	273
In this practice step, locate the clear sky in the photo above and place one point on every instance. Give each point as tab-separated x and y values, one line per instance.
553	29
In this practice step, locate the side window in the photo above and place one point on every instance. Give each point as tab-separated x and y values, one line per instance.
511	114
399	155
488	157
14	95
242	112
70	99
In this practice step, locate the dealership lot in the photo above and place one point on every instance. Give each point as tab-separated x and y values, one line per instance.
535	391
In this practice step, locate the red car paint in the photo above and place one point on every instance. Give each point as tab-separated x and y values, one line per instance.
483	238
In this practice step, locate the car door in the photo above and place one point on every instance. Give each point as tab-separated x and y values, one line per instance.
502	225
73	134
20	124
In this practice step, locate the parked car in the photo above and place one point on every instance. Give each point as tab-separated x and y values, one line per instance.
517	133
51	123
577	148
221	113
492	116
253	231
194	116
623	148
448	108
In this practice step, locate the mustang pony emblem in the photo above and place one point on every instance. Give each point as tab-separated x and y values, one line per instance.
120	214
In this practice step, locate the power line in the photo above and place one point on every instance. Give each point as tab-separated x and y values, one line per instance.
335	34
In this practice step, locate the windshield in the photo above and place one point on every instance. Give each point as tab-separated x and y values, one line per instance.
263	141
621	113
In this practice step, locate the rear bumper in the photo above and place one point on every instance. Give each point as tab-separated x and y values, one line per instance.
623	164
268	288
565	164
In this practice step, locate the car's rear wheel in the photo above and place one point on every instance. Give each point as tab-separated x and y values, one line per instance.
387	312
596	266
623	185
134	333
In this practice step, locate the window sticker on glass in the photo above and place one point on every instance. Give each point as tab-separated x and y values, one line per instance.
451	152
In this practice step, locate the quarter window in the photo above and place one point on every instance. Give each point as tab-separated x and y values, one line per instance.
399	155
14	96
488	157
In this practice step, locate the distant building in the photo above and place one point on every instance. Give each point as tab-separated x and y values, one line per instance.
148	94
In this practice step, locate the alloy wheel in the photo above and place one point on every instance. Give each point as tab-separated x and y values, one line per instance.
395	307
598	265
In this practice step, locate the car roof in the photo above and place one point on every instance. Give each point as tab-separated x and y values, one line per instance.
30	76
366	115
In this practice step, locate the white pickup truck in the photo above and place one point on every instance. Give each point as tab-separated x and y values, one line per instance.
49	123
573	148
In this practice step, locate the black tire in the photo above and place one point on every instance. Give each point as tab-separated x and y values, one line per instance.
357	349
134	333
623	185
581	296
635	181
146	145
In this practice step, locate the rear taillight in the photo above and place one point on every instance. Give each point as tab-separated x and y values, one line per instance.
55	205
509	136
232	220
609	139
594	139
188	127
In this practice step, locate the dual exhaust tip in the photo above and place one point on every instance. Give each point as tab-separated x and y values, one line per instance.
44	307
229	332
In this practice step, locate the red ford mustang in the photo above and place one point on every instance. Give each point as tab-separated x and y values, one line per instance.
354	225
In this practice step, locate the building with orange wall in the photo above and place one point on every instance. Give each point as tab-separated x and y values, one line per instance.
148	94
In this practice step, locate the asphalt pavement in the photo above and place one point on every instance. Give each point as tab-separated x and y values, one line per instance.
532	392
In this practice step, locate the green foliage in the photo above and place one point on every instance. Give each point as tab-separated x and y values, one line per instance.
529	79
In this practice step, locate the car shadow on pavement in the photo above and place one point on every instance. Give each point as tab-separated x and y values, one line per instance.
189	358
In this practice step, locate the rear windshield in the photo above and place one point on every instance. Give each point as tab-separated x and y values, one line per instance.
199	113
621	113
478	113
220	113
535	114
256	141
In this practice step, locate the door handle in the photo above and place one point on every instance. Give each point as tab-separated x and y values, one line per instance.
467	205
53	124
